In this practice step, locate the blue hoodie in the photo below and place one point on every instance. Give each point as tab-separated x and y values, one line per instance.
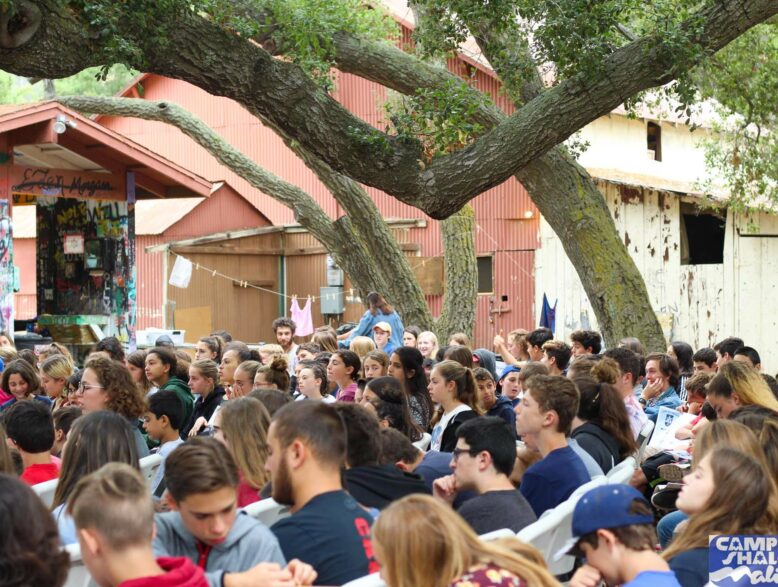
503	408
248	544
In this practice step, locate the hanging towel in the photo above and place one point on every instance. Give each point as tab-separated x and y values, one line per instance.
302	318
548	315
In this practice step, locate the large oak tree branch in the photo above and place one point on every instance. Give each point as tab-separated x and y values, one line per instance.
279	93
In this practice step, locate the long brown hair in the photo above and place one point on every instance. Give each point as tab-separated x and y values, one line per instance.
602	405
94	440
740	503
466	388
376	301
422	542
244	424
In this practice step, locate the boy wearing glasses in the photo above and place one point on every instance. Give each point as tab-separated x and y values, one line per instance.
482	462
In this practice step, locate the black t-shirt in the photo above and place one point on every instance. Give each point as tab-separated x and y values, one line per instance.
495	510
332	534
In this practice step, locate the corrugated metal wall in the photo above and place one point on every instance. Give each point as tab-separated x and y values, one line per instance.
507	219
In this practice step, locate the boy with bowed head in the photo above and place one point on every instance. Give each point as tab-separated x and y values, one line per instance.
205	525
613	529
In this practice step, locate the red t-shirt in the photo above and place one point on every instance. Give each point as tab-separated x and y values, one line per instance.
179	572
35	474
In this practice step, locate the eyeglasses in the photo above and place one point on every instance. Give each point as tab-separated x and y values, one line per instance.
460	451
86	387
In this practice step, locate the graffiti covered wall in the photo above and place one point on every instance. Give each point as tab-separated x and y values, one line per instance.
6	269
85	261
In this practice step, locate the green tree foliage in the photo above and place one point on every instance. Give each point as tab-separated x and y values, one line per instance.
95	81
743	81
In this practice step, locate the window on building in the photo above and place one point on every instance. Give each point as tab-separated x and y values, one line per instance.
702	236
654	141
486	274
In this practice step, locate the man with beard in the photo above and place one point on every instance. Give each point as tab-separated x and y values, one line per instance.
328	529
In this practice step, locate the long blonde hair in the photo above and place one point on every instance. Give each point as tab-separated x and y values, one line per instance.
738	378
244	423
419	541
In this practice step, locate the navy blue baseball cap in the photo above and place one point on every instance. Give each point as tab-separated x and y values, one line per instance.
603	508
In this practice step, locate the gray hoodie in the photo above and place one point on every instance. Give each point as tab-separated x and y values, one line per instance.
248	544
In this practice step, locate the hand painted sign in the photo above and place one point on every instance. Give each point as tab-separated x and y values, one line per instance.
67	183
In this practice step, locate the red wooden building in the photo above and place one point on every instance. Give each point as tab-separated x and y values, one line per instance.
507	221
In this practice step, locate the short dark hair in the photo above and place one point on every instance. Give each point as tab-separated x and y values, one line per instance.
395	446
588	339
559	351
64	418
629	361
272	399
705	355
200	465
167	403
363	445
538	336
167	357
112	346
728	346
667	365
311	347
750	352
557	393
493	435
29	424
223	334
316	424
284	323
350	359
482	374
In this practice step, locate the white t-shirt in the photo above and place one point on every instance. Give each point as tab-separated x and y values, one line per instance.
440	427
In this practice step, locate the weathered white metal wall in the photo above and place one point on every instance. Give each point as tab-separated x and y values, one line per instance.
699	304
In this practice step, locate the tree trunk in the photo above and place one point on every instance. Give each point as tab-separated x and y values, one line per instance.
585	227
361	242
461	268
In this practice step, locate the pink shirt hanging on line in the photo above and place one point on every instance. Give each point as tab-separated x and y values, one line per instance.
302	318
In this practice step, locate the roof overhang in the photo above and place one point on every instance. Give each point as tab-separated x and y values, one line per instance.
47	135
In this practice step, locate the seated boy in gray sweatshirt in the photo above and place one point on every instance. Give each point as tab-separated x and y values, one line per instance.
205	525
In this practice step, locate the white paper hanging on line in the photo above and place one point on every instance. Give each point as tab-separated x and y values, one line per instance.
182	273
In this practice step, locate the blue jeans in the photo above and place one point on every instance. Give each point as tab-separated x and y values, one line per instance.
667	525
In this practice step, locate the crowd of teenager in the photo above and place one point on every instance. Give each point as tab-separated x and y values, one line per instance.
393	450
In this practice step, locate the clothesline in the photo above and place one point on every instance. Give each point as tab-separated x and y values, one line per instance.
246	284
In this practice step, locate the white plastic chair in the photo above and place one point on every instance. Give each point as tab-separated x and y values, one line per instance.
267	511
373	580
622	472
554	528
497	534
643	439
149	466
46	491
424	443
78	575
